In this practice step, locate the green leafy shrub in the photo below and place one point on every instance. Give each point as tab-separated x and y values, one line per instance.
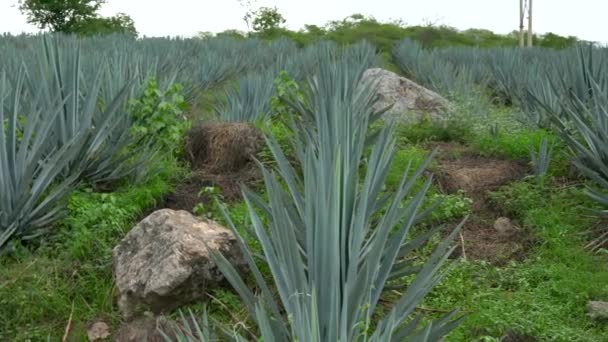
267	18
158	116
285	89
212	197
451	206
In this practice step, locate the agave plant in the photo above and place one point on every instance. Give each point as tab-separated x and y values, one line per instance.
101	118
540	160
250	101
332	239
585	131
31	188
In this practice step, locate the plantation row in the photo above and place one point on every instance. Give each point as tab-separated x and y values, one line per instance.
561	90
102	110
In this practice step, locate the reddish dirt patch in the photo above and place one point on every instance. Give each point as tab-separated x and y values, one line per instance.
186	194
463	169
483	242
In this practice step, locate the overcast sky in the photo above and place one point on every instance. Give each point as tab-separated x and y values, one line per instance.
586	19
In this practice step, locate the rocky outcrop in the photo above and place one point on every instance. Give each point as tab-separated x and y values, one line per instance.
164	261
411	102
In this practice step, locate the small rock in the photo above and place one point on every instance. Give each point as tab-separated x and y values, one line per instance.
504	226
164	261
98	331
597	310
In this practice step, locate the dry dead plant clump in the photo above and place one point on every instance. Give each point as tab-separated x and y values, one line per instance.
222	147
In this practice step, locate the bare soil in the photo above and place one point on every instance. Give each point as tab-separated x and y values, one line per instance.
460	168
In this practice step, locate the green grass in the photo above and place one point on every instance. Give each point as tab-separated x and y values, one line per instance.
544	296
38	288
452	129
517	143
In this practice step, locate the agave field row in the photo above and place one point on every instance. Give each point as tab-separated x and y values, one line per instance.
93	111
64	100
68	117
562	90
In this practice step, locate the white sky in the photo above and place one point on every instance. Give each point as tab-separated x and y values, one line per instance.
586	19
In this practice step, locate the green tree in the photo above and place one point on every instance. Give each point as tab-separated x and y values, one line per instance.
75	16
267	18
552	40
120	23
59	15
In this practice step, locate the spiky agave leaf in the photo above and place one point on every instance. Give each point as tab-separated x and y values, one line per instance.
250	100
101	118
540	160
583	125
30	187
190	329
328	256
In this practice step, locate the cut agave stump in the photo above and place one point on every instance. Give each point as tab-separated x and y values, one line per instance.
164	261
222	147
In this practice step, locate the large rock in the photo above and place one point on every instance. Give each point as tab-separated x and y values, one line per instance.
164	261
411	102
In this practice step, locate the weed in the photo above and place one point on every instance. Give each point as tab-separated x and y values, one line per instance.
452	206
159	116
211	196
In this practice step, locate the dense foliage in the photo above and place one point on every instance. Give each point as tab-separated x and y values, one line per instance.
75	16
267	18
384	35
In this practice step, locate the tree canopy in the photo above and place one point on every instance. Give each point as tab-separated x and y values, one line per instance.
267	18
75	16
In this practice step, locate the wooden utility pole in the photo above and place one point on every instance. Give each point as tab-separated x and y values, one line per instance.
530	24
522	12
